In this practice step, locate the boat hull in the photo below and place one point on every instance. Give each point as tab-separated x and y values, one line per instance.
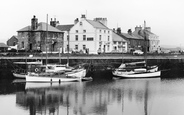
138	75
23	76
49	79
77	75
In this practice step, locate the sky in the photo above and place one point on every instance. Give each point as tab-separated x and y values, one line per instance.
165	17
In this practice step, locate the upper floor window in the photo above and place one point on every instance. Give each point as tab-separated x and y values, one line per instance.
76	31
90	39
104	31
84	37
81	23
108	38
108	32
76	37
100	37
114	42
84	31
100	31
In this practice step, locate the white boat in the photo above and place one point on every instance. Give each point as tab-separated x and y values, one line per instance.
137	69
133	71
75	75
23	68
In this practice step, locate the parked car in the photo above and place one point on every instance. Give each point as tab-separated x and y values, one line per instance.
138	52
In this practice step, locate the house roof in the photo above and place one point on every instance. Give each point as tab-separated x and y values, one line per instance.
42	26
65	27
140	33
132	36
97	24
3	45
117	37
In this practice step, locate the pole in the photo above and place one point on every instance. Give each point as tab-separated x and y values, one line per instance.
46	39
68	48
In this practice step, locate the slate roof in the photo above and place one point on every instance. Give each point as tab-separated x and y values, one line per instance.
133	36
140	33
97	24
65	27
117	37
42	26
3	45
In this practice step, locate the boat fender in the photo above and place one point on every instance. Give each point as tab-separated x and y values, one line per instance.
36	70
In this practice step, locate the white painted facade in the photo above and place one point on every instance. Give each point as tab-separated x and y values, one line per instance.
85	34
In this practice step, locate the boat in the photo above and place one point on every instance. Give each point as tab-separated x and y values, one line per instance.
77	74
138	69
135	70
21	68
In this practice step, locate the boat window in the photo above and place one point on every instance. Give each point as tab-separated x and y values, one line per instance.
50	67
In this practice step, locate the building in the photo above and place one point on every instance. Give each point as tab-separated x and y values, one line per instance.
119	43
12	41
132	42
65	29
93	35
140	39
3	47
151	38
40	36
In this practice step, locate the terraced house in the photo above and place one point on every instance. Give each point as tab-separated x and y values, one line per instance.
93	35
40	36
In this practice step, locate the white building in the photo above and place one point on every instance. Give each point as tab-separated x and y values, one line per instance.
93	35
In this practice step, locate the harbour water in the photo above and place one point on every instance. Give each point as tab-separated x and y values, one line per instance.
156	96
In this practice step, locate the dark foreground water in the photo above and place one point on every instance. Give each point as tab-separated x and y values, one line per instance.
153	96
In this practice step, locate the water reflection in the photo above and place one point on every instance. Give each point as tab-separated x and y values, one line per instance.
83	98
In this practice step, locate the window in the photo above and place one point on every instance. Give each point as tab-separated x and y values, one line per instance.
67	37
108	47
76	47
84	31
114	42
84	47
22	44
104	31
100	37
81	23
84	37
76	37
90	39
76	31
100	31
108	38
108	32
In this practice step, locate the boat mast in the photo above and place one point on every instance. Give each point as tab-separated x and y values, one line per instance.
68	48
46	39
145	42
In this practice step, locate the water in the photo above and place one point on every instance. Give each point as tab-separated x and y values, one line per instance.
121	97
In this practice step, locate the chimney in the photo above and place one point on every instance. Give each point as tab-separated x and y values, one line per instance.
148	29
101	20
129	31
138	28
114	30
83	16
51	22
118	30
34	23
76	21
54	23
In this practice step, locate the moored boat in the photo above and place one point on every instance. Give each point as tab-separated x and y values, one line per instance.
77	74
